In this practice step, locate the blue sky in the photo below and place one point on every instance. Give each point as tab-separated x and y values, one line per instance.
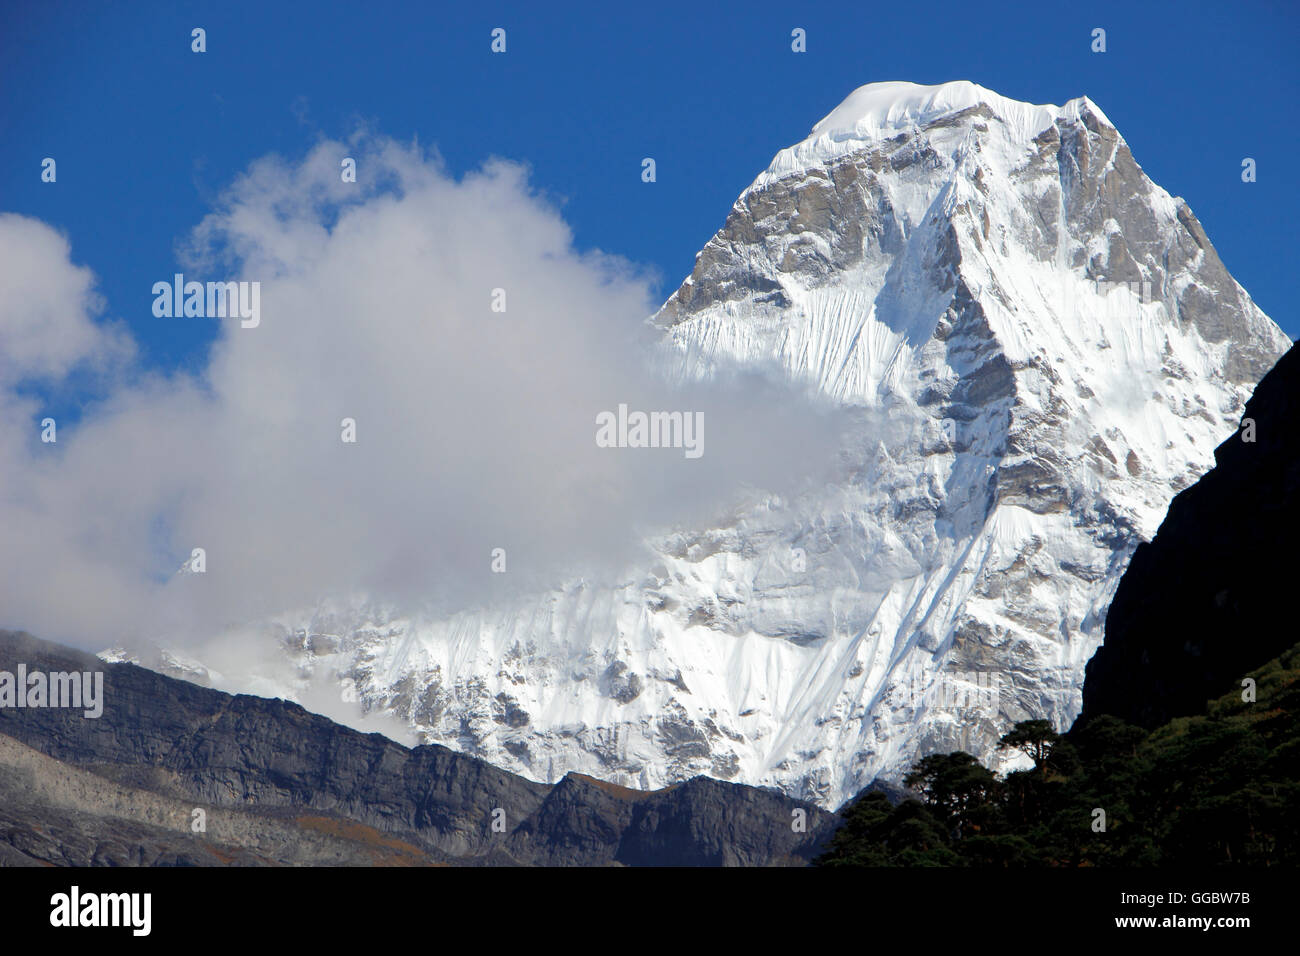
147	133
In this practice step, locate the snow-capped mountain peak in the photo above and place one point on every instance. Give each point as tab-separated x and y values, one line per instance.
880	111
1059	349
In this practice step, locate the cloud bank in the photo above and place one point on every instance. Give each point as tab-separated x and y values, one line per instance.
475	429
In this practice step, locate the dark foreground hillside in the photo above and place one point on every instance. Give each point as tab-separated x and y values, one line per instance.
279	785
1220	788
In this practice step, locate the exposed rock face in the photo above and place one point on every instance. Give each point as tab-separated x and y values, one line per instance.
281	785
1054	350
1209	597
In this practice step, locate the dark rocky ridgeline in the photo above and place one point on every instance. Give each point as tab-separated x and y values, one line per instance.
1210	596
281	785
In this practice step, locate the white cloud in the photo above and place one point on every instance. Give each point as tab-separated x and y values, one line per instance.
46	307
476	429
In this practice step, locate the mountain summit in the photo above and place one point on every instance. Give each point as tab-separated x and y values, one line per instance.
1057	350
882	110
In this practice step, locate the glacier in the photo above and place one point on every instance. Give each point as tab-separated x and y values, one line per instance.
1057	348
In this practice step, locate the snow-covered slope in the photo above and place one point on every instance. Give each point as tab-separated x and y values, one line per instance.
951	260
